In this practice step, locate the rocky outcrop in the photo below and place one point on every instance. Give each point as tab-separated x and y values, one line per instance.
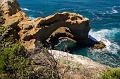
70	25
76	66
9	7
77	25
98	45
11	12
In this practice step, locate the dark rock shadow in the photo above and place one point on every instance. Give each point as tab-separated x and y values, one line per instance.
76	47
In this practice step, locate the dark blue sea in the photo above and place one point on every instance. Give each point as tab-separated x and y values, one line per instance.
105	23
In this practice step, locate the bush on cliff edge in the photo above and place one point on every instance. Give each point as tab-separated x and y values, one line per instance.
113	73
13	62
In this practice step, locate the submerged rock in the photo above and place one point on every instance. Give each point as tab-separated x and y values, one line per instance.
99	45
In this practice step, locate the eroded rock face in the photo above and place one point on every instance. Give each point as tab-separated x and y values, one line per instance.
9	7
66	24
11	12
78	26
80	67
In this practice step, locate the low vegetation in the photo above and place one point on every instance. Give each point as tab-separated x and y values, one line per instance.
113	73
13	62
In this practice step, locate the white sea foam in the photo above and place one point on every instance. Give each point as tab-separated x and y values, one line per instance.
31	17
25	9
29	10
114	10
106	36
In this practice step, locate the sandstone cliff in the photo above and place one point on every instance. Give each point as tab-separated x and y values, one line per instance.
74	26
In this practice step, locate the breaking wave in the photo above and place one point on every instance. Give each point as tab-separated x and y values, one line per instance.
26	9
106	36
113	10
110	54
32	17
34	11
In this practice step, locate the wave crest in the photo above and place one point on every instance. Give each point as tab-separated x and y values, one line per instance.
29	10
25	9
106	36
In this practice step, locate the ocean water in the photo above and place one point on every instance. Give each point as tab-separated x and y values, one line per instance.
105	23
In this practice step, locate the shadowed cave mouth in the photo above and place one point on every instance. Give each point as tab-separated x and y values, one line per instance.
68	45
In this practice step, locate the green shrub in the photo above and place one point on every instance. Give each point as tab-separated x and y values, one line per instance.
113	73
2	29
13	62
8	36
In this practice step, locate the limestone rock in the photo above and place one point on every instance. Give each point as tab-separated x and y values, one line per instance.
26	37
99	45
28	27
57	25
79	66
11	12
78	25
62	32
9	7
